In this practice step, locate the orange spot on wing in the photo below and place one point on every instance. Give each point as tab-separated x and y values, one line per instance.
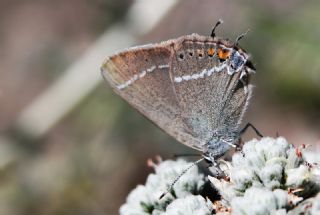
223	53
210	52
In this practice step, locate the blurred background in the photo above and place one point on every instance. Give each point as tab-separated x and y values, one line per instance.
69	145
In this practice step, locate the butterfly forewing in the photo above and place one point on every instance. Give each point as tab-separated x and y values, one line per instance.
142	76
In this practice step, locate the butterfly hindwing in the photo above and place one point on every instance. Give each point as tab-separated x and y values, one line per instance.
205	88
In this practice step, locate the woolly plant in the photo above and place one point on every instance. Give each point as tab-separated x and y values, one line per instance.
268	176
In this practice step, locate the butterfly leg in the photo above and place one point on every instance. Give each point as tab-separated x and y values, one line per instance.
214	166
216	170
240	143
254	128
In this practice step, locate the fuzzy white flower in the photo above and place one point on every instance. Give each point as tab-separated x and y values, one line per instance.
145	199
316	205
137	202
310	206
269	176
188	205
296	176
270	171
260	201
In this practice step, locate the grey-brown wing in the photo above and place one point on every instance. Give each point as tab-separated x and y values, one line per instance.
142	76
205	89
236	104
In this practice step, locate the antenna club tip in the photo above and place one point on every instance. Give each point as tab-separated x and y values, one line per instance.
220	20
162	195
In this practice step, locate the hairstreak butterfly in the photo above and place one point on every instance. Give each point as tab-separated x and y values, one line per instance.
196	88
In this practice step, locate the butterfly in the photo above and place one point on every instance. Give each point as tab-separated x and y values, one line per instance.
196	88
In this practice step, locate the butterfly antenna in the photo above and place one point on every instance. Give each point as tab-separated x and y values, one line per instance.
241	36
213	34
179	176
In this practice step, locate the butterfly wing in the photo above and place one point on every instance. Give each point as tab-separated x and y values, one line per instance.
235	104
210	96
142	76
